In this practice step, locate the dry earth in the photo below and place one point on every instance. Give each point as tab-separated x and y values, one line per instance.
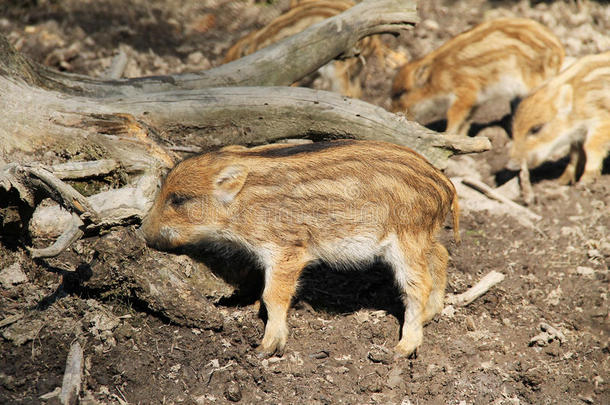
342	324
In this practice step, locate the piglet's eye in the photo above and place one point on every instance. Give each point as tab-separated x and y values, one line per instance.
398	94
535	129
178	200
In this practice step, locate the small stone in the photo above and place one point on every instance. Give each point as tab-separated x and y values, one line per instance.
124	332
430	25
448	311
12	275
322	354
395	378
373	384
196	58
470	324
379	354
102	322
340	370
585	271
553	349
23	331
233	392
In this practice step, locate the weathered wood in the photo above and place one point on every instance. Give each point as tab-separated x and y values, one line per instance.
255	115
278	65
489	192
124	129
70	388
122	119
526	185
71	234
80	170
485	284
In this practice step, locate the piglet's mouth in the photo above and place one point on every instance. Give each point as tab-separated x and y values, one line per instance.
164	239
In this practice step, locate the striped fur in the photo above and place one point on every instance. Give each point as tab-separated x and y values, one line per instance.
345	203
344	75
572	110
501	57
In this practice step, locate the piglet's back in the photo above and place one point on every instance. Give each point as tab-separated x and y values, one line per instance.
347	183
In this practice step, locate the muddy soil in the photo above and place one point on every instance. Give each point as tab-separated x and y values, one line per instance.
343	325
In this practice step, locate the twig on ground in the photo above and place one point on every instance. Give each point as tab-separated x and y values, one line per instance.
491	193
525	219
117	67
71	385
10	320
492	278
186	149
62	192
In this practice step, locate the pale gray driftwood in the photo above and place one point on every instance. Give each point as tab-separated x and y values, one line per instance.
485	284
71	385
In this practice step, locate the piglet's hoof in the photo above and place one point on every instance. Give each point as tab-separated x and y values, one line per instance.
405	351
263	352
399	356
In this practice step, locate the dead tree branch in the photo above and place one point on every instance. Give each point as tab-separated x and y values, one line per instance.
278	65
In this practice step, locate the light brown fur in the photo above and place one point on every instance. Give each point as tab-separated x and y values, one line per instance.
572	109
502	57
344	203
301	15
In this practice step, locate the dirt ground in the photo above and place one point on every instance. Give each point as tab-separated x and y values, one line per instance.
342	325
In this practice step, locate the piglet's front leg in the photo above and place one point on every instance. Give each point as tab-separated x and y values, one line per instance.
280	285
595	149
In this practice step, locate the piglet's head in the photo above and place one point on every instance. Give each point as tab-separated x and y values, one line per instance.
194	202
541	126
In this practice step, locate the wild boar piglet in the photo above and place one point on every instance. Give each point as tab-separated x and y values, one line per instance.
569	112
504	57
345	203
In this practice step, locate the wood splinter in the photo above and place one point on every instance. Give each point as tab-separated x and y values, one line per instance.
485	284
71	385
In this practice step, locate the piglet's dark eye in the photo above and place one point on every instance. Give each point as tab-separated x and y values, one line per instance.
178	199
535	129
398	94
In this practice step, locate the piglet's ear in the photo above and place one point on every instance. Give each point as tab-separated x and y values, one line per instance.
421	75
229	182
563	102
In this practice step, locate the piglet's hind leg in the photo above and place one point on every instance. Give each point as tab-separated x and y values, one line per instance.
437	263
413	278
